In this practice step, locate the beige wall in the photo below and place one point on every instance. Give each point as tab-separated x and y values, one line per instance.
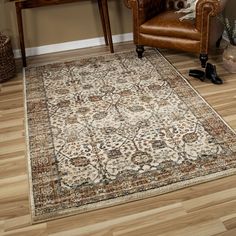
63	23
69	22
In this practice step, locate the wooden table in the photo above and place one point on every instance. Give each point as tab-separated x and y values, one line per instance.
24	4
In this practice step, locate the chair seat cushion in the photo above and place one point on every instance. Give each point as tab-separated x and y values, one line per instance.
168	24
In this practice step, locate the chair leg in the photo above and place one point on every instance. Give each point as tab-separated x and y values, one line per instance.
203	59
218	42
140	50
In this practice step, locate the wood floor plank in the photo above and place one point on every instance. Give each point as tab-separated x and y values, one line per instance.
13	197
13	154
227	233
229	221
146	218
210	200
10	136
11	122
39	229
17	223
16	166
193	218
204	229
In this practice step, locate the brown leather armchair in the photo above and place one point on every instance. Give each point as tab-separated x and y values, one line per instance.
156	24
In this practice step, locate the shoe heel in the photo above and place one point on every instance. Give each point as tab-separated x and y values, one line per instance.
211	74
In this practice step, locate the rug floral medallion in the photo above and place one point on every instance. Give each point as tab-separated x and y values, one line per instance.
111	129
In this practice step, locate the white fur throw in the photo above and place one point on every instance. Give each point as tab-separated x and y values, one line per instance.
189	10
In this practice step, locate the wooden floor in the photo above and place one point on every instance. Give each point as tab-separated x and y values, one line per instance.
205	209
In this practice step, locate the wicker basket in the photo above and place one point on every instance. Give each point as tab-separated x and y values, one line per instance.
7	62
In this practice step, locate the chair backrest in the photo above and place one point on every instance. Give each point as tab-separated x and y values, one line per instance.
176	4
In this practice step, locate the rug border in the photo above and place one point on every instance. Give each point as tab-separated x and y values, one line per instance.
134	197
29	169
124	199
216	113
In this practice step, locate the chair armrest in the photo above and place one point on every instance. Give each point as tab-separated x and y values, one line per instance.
206	9
206	12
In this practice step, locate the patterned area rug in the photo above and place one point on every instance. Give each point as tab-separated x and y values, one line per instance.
111	129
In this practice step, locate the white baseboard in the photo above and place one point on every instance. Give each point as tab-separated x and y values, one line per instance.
60	47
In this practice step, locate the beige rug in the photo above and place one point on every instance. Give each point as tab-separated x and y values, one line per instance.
111	129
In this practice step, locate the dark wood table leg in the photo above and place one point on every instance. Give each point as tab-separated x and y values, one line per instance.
21	32
103	9
107	23
103	21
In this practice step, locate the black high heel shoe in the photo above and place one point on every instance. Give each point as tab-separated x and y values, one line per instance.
212	75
